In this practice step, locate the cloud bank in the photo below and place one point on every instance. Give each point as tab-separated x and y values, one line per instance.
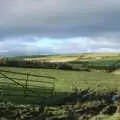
58	26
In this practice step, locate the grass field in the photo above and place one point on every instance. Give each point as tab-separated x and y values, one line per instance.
74	57
69	57
66	82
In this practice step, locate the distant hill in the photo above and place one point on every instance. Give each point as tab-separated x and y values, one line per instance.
68	57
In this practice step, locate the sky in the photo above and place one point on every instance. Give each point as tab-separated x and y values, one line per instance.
30	27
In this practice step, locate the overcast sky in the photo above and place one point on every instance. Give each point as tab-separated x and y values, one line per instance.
59	26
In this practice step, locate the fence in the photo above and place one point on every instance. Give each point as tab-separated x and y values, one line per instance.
25	87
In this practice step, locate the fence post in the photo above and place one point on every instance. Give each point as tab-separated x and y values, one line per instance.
53	92
26	85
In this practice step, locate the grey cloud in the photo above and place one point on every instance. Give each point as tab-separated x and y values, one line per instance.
21	21
59	18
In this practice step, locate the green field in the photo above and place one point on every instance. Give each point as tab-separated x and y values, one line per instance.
98	83
66	80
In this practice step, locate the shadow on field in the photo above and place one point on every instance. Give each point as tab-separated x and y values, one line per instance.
44	95
47	96
20	95
82	104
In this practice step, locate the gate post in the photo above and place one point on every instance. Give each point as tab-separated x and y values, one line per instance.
53	92
26	85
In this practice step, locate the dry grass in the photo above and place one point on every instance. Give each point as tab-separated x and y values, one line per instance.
53	59
116	72
78	57
66	59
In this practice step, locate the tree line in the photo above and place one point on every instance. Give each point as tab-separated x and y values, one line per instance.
78	66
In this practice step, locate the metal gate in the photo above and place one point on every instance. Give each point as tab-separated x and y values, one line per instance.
24	87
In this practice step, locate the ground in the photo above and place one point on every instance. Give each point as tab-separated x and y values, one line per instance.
78	94
75	57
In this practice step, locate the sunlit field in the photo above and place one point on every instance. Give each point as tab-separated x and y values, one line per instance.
67	80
